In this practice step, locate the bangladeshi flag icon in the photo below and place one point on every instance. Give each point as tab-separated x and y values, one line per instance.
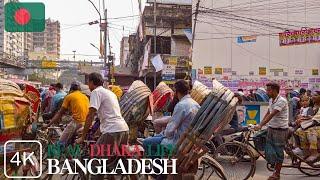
24	17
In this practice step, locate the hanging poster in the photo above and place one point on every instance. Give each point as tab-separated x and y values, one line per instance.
276	70
262	71
252	115
298	72
173	60
227	71
315	72
207	70
218	71
246	39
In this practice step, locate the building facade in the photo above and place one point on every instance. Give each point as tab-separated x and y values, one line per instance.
258	41
47	42
124	51
172	43
11	44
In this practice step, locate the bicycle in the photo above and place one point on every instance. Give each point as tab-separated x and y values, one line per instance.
240	149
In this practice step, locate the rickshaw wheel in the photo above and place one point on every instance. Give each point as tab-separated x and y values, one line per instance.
308	170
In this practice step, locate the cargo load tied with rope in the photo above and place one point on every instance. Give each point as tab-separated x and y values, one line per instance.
215	113
162	97
15	112
135	107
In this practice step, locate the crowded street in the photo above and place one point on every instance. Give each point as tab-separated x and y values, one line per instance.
159	89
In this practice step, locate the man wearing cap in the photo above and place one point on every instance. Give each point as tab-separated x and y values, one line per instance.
78	104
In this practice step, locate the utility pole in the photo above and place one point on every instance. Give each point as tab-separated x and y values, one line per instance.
155	40
194	33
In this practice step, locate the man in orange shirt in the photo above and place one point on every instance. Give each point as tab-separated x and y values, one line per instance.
78	105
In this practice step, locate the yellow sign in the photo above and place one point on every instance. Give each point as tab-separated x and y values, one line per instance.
218	71
173	61
169	82
113	80
207	70
315	72
262	71
276	70
49	64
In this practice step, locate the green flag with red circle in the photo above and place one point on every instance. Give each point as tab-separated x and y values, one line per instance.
24	17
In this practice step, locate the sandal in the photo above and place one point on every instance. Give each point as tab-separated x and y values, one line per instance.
274	177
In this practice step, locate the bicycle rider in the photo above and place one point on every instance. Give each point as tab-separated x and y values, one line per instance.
113	127
78	104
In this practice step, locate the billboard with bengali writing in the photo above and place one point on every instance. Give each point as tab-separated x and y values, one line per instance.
298	37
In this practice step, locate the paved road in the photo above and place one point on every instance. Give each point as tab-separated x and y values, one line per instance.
287	173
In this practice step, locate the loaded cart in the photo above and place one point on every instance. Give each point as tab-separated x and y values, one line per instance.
15	118
215	113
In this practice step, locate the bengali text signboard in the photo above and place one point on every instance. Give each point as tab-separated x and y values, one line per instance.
303	36
207	70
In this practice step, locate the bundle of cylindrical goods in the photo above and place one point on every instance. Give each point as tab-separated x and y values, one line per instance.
135	107
15	111
261	95
215	112
162	96
199	92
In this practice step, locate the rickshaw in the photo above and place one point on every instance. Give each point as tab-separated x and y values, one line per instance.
18	110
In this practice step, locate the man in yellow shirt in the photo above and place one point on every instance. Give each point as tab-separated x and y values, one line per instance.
78	105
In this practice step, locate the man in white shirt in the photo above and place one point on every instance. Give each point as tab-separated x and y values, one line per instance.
114	129
277	119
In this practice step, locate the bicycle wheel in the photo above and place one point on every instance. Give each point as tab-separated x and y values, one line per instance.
236	159
308	170
208	167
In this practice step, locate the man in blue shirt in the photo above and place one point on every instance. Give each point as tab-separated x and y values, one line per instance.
58	97
56	101
183	113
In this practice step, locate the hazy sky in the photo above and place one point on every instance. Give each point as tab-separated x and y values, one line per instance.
76	35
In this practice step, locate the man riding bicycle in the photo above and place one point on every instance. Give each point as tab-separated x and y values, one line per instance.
78	104
114	129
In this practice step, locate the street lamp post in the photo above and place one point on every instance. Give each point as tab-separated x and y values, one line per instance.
74	55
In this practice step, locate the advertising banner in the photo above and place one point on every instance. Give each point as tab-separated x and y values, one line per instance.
315	72
218	71
246	39
262	71
298	72
299	37
207	70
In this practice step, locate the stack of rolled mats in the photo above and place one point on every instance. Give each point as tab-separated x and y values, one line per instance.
199	92
135	107
215	113
162	97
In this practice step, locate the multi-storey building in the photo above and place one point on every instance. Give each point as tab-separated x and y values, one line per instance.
124	51
173	19
49	40
11	43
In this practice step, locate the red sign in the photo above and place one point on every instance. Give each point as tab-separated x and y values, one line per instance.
304	36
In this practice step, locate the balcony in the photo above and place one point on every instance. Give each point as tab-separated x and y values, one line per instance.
12	61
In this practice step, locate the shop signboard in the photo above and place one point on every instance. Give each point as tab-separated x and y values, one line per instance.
207	70
298	37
